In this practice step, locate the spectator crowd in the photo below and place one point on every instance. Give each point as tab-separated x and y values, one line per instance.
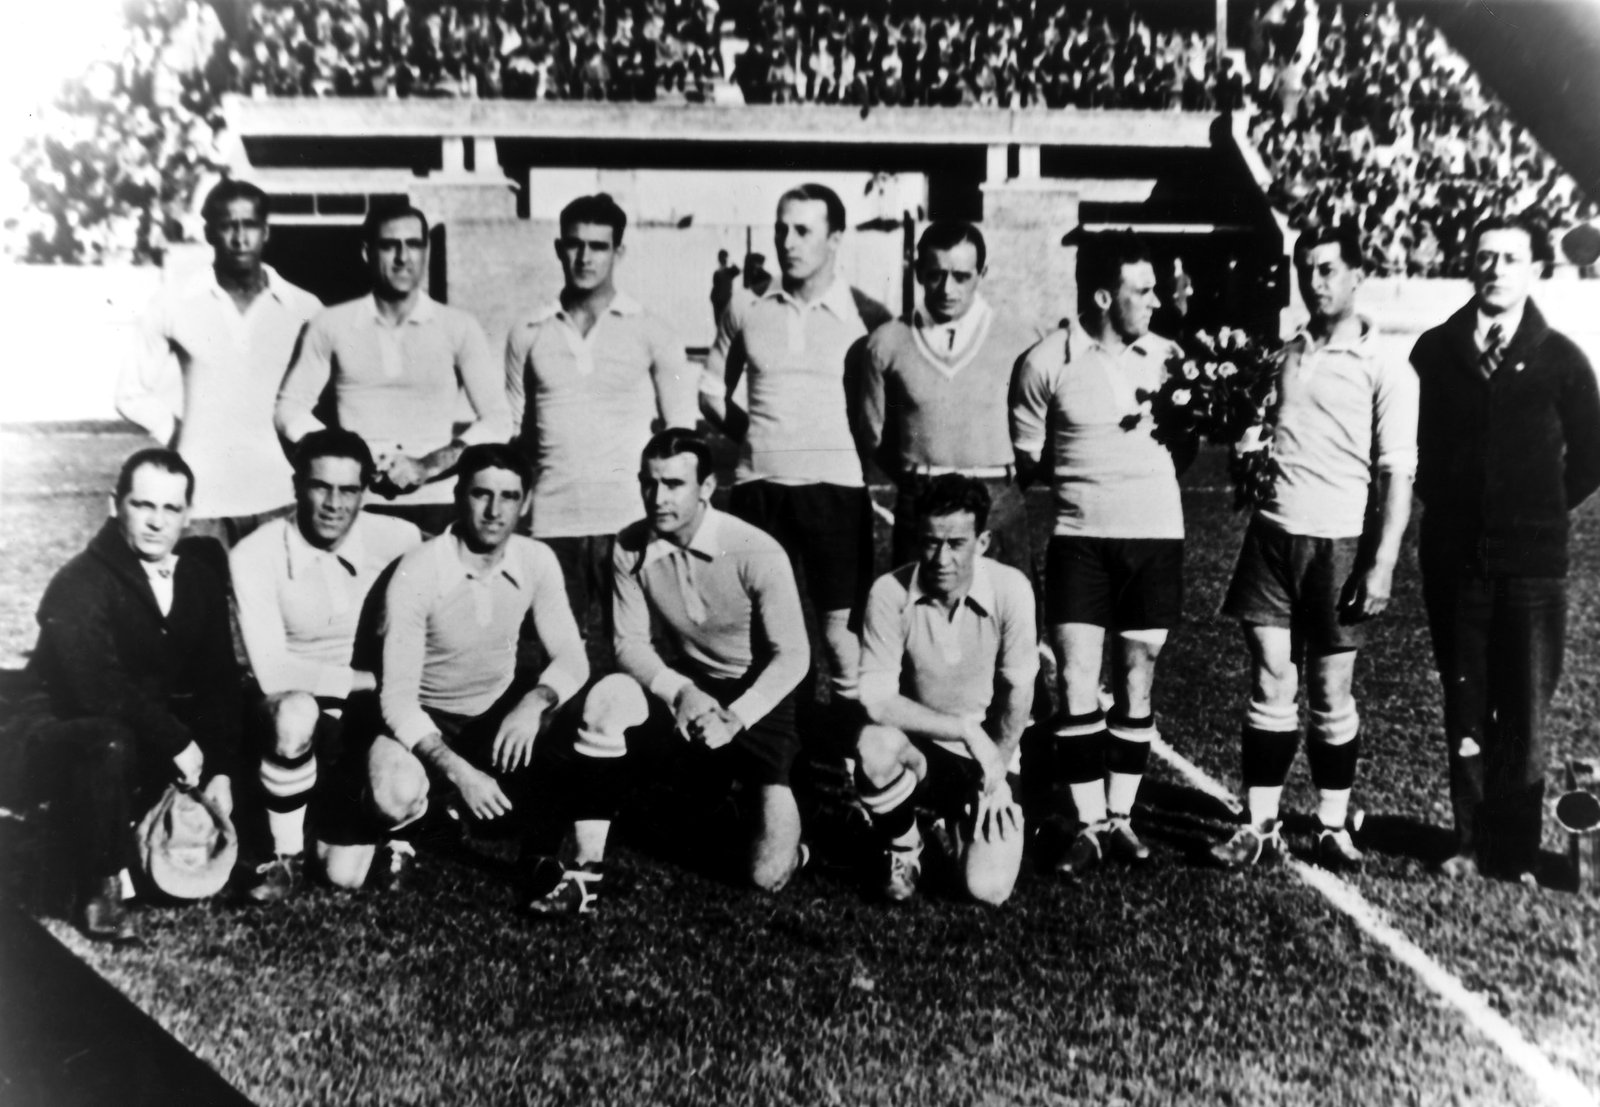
1354	111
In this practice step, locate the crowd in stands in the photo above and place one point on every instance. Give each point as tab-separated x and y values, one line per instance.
1364	116
1358	114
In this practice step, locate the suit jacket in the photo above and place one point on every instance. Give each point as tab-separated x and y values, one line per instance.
105	650
1503	459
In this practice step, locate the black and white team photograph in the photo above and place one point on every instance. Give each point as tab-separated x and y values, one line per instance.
816	552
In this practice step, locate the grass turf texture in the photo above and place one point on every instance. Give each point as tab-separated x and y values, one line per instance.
1171	984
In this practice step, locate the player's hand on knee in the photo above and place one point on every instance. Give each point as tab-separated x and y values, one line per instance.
996	816
513	743
189	761
481	793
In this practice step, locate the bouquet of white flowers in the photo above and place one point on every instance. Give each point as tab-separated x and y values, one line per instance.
1222	389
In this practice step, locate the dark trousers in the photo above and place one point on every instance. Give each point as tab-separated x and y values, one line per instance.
93	768
586	570
1498	642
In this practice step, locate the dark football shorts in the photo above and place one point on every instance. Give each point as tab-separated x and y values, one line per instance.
825	528
1290	580
1121	584
953	782
761	755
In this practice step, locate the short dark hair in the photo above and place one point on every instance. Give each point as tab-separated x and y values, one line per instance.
813	191
1343	234
947	234
381	213
1527	222
155	457
334	442
1101	258
491	455
677	440
599	209
225	192
953	494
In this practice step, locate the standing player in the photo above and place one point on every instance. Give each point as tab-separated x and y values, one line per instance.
232	330
719	593
934	392
139	679
1508	443
396	359
1115	561
456	712
594	360
301	584
949	654
799	476
1315	566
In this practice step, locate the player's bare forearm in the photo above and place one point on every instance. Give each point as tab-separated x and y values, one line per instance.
431	750
1016	706
441	461
914	719
1394	513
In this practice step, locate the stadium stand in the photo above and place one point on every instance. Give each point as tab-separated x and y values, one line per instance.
1353	108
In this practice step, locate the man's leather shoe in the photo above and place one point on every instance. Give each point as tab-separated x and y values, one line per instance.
103	917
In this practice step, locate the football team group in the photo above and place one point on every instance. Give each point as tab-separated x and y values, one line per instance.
522	621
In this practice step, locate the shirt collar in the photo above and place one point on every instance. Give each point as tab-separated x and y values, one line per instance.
706	543
621	304
205	281
980	597
302	554
1357	345
963	328
1081	340
421	312
452	554
837	299
1509	322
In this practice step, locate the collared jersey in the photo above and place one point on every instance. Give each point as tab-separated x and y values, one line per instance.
299	606
450	632
585	406
930	402
792	355
727	602
1343	410
231	364
1110	480
948	661
395	384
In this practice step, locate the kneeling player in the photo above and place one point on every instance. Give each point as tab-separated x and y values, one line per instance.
949	655
456	713
722	595
301	584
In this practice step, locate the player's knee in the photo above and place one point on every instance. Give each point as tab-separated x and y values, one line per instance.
400	793
294	723
613	706
345	867
771	874
991	886
879	751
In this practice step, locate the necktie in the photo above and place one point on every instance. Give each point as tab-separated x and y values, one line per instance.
1494	349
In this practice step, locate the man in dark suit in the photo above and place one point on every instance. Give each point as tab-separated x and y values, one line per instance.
140	687
1509	443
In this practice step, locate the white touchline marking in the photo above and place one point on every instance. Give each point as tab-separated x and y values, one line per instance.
1555	1085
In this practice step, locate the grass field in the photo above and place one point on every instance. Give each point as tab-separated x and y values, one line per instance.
1172	984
